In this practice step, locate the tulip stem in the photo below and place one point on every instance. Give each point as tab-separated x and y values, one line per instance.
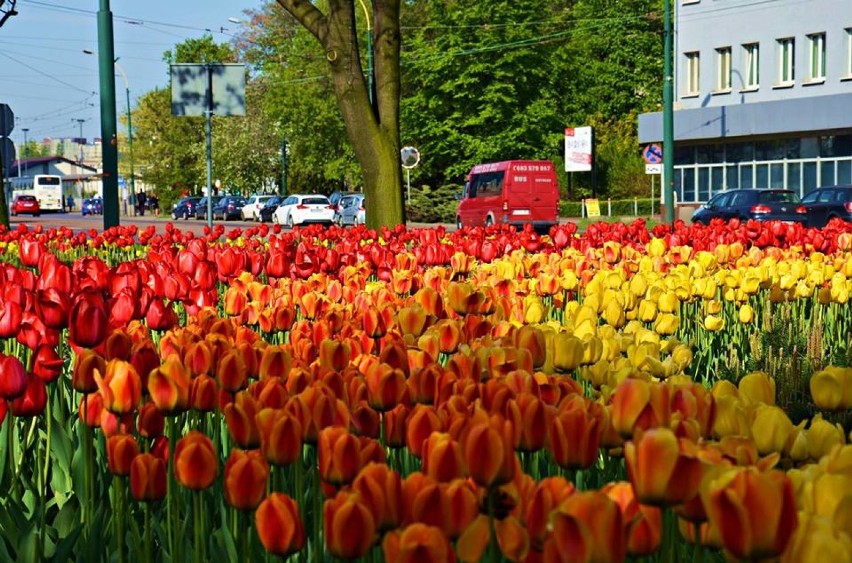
299	493
493	548
697	548
316	494
148	553
198	523
118	517
171	508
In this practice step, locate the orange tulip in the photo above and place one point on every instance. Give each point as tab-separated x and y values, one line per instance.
280	436
442	458
754	512
334	355
148	478
232	372
246	474
121	449
199	358
639	404
121	387
279	525
150	421
386	386
169	385
449	336
489	453
339	455
417	543
422	421
664	470
396	424
548	494
575	434
586	527
424	501
240	417
534	421
412	320
85	365
512	539
695	402
643	524
275	361
350	530
195	463
380	489
202	393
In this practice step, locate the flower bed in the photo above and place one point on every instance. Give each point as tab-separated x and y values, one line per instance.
424	395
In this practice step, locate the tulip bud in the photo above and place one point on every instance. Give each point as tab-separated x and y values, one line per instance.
195	463
279	525
245	479
148	478
121	450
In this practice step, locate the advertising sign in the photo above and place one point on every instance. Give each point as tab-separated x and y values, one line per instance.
578	149
593	207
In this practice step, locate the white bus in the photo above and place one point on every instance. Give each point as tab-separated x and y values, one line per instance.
47	188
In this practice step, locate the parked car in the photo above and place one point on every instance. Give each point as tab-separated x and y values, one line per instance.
251	210
744	204
93	206
26	204
185	208
229	207
514	192
336	197
303	209
350	211
201	208
826	203
265	213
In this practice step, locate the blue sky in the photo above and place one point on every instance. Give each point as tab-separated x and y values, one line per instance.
50	83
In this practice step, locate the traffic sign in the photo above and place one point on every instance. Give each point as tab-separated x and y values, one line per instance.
410	157
7	153
653	153
653	169
7	120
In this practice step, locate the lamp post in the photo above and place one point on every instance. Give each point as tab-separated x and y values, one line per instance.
106	63
26	152
129	129
668	117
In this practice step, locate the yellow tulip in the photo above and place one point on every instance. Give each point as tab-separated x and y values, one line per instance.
656	248
713	307
638	285
797	446
746	314
534	310
731	418
822	437
830	491
666	324
771	429
614	314
724	388
831	388
682	356
647	311
714	323
817	539
569	351
668	302
593	350
757	387
750	284
598	374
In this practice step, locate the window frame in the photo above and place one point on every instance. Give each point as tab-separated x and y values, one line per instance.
692	83
786	61
751	66
848	53
816	57
724	70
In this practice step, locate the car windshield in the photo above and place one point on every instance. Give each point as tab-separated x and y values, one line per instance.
27	198
778	197
315	201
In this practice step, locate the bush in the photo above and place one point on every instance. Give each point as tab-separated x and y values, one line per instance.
433	205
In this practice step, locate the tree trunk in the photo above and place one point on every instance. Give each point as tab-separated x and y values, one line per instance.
372	129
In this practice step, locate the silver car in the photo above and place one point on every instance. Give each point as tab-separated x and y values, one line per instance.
351	211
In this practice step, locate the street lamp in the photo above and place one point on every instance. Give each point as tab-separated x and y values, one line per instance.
129	128
26	152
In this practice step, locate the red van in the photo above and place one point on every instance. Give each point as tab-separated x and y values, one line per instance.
515	192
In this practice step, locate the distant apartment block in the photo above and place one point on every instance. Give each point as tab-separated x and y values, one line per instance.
763	96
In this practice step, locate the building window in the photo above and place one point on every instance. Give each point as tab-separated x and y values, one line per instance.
816	44
751	65
693	61
786	61
723	69
849	51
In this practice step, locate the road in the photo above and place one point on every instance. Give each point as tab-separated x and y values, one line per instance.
77	222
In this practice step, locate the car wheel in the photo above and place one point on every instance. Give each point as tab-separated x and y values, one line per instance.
290	222
14	213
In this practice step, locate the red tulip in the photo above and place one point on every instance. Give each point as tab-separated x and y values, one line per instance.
195	463
13	378
33	400
148	478
47	365
279	525
87	322
11	316
121	450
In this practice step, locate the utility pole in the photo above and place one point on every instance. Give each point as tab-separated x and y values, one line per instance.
668	117
106	68
26	152
80	141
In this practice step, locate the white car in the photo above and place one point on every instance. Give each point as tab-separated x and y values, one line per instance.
251	210
304	209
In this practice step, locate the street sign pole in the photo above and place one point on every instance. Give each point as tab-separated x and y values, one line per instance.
7	154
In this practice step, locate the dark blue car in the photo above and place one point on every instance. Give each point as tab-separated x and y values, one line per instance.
185	208
93	206
269	208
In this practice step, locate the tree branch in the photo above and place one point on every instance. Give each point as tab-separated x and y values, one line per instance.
308	15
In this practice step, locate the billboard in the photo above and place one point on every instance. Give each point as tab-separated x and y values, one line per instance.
190	83
578	149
